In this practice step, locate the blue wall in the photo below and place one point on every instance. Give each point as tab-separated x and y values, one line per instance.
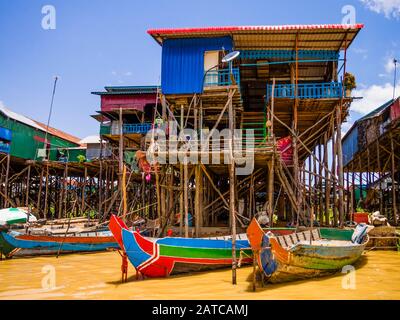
182	68
350	145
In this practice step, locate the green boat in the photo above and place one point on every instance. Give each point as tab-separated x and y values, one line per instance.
307	254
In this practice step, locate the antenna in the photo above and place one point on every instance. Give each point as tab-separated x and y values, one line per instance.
230	56
395	75
50	111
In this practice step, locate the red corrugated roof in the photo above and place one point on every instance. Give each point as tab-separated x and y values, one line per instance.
322	31
165	31
59	133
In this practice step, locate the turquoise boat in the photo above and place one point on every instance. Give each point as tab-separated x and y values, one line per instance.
14	243
307	254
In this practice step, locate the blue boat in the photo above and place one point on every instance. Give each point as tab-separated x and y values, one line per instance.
13	243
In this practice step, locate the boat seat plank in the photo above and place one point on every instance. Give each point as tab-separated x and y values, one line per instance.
287	241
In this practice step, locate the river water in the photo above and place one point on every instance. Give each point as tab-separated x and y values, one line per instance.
97	276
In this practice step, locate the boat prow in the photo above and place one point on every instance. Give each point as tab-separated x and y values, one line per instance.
116	225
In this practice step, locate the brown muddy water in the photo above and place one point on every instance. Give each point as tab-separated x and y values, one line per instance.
97	276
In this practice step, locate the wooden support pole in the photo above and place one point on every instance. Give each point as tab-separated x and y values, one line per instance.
6	180
124	198
181	184
198	194
186	197
333	177
378	159
100	188
327	181
392	171
271	178
46	192
232	192
28	180
83	204
340	163
38	203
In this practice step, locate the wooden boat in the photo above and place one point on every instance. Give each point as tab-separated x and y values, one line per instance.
14	243
305	254
167	256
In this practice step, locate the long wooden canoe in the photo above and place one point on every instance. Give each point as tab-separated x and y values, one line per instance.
17	244
305	254
167	256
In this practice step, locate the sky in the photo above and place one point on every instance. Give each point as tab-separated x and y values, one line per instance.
98	43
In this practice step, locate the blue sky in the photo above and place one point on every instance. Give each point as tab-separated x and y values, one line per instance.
99	42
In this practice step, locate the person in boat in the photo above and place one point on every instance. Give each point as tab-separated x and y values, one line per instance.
263	218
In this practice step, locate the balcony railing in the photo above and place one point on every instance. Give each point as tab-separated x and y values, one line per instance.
141	128
306	90
221	77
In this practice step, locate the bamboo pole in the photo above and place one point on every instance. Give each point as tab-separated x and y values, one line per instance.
393	169
27	186
6	180
232	190
340	163
40	191
186	196
46	192
378	158
327	181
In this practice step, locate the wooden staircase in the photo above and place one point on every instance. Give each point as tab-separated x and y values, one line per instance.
255	120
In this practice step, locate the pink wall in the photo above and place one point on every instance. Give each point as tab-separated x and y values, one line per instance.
395	110
138	102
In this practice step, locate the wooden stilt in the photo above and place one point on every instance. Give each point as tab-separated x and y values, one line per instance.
392	171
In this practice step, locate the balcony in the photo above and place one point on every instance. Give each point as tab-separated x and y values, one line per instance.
328	90
105	129
221	77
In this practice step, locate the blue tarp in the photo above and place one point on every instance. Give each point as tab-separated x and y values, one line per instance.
350	145
182	68
5	134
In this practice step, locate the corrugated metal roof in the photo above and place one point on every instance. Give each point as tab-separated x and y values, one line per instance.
90	139
330	36
37	125
374	113
127	90
19	117
58	133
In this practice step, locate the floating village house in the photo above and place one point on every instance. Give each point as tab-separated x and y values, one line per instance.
371	161
66	176
126	115
287	86
23	151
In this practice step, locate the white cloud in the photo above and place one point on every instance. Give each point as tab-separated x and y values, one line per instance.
362	52
389	65
373	97
346	127
390	8
128	74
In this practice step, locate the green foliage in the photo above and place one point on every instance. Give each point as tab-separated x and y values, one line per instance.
81	158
